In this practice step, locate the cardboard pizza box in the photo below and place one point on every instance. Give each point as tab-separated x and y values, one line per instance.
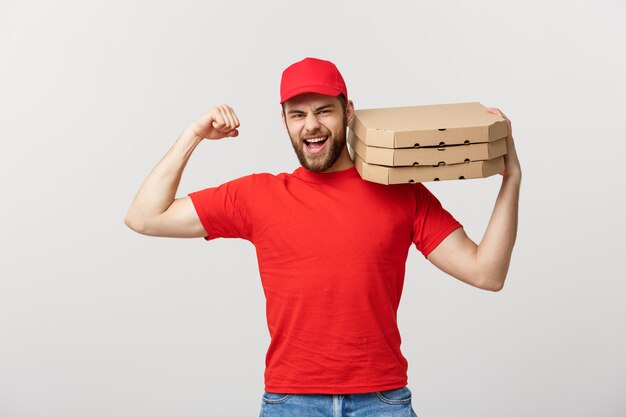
402	175
432	125
440	155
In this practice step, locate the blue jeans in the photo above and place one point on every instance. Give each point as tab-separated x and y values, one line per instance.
391	403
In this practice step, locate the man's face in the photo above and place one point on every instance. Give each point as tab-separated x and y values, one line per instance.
317	127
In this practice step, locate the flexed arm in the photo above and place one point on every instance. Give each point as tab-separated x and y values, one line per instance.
155	211
486	265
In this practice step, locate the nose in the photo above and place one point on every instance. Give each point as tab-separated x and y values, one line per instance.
311	123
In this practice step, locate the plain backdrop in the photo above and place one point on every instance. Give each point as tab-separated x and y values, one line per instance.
96	320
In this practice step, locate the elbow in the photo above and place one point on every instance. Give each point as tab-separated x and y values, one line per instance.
491	275
134	225
493	283
495	287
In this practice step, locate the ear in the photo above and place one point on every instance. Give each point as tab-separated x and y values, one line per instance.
350	111
282	115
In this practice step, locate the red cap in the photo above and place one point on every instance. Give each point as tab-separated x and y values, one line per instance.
312	75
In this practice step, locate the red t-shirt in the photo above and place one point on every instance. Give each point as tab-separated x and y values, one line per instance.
332	250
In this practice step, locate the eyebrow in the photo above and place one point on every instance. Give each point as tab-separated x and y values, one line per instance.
320	108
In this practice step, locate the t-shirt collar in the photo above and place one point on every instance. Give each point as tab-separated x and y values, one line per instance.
318	177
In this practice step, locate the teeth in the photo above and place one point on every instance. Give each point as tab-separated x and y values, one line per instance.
313	140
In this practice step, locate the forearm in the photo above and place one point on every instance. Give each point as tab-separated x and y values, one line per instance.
495	249
158	191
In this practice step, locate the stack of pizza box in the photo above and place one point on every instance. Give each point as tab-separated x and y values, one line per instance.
427	143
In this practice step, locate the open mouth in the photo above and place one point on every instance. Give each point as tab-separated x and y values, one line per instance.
315	144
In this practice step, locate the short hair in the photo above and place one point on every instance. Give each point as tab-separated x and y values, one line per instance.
343	101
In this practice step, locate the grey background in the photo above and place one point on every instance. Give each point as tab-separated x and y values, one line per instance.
98	320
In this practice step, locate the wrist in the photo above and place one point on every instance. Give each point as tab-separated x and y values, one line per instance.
186	143
512	176
190	136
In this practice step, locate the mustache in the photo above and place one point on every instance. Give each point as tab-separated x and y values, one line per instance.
314	134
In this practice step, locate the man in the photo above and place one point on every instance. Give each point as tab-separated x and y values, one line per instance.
331	247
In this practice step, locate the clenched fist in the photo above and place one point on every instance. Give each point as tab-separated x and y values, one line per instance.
217	123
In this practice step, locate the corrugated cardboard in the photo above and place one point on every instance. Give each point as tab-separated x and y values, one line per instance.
433	125
401	175
443	155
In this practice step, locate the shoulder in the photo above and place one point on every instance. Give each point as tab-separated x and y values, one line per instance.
421	191
256	183
257	178
266	178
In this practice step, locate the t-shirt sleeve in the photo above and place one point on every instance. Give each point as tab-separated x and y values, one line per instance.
432	223
224	211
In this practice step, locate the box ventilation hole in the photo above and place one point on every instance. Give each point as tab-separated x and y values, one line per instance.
411	180
461	177
441	163
436	179
415	164
442	144
466	142
466	161
441	130
417	145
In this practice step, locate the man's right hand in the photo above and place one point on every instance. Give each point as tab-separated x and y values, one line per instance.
219	122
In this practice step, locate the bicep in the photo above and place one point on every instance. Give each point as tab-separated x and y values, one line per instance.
179	220
456	255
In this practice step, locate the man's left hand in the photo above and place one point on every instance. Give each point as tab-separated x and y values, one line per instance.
512	168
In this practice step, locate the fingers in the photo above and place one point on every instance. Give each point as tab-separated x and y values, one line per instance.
228	122
225	120
511	161
230	114
221	121
499	113
496	111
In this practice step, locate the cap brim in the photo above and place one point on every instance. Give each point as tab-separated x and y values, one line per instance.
320	89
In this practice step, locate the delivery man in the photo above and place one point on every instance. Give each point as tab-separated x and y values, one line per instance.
331	248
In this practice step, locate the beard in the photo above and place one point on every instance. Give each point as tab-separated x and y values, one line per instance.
319	162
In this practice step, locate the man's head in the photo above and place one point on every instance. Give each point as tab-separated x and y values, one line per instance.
316	113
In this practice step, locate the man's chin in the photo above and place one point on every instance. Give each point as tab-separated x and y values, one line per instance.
315	167
319	162
315	163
